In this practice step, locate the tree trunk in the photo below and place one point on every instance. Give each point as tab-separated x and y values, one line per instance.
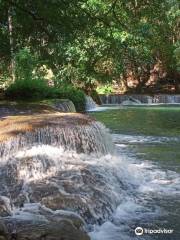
177	83
11	42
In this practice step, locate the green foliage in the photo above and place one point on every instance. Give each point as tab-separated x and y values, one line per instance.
79	65
87	43
106	89
30	82
25	64
77	96
31	89
28	66
29	79
36	89
5	76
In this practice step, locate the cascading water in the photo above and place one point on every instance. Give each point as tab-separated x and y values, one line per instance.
87	139
140	98
90	103
64	105
131	101
146	189
70	171
55	167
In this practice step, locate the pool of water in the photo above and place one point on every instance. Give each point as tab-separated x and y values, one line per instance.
157	120
147	140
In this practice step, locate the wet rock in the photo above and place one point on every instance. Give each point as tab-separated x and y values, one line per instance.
41	210
77	221
71	203
40	190
64	183
41	163
5	207
10	183
3	238
36	222
49	231
3	231
72	131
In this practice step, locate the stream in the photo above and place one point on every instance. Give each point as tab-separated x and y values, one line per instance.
147	142
104	178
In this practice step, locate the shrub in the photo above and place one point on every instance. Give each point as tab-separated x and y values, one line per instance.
37	89
27	89
29	78
77	96
30	83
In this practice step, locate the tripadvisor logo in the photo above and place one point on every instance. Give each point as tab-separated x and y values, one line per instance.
140	231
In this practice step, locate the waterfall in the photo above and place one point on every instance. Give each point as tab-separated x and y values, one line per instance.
59	166
67	178
45	184
62	169
90	103
64	105
88	138
131	101
61	180
140	98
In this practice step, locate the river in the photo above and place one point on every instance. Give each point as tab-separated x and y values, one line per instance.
69	169
147	140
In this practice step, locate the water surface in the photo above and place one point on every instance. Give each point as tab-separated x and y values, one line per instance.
147	142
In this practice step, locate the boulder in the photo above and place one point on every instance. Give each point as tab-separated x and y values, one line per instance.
37	222
3	231
5	207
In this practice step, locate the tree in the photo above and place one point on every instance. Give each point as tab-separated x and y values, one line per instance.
90	42
11	41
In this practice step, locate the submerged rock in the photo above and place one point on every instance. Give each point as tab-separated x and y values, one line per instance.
36	222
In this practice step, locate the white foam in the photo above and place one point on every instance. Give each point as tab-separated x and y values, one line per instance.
142	181
128	182
123	138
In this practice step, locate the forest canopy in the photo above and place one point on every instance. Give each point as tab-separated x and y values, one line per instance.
132	44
